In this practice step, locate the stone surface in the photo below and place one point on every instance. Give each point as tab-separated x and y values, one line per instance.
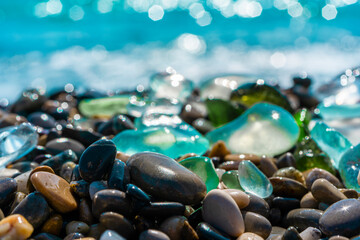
257	205
170	141
330	141
206	231
349	168
53	225
118	223
341	218
264	129
97	160
111	235
249	236
311	233
56	190
291	172
8	187
287	187
153	234
222	212
253	180
42	119
77	227
59	145
317	173
324	191
15	227
16	142
241	198
162	177
303	218
110	201
204	168
256	223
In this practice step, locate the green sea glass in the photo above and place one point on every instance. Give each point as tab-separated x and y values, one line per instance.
204	168
221	111
303	118
231	179
169	141
249	94
264	129
349	167
252	180
104	107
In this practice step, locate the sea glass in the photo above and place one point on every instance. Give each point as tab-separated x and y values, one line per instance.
137	107
349	167
221	111
231	179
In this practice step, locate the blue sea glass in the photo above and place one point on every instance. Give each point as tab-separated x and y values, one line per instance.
16	142
137	107
264	129
349	167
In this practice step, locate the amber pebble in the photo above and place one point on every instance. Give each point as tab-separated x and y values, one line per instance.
241	157
219	149
53	225
229	165
56	190
240	197
15	227
122	156
267	166
187	156
38	169
308	201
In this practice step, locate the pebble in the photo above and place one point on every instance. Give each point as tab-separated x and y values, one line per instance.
222	212
303	218
96	187
153	234
291	234
119	176
337	221
97	160
77	227
163	209
317	173
257	205
324	191
311	233
286	187
162	177
8	187
111	235
110	201
53	225
15	227
249	236
255	223
118	223
242	199
56	190
308	201
205	231
219	149
290	172
59	145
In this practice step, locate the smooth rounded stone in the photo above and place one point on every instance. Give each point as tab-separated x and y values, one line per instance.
42	119
138	194
73	236
96	187
22	182
241	198
110	201
205	231
285	204
257	205
111	235
29	186
290	172
56	190
16	142
46	236
229	165
77	227
338	237
204	168
267	166
118	223
253	180
330	141
11	120
249	236
53	225
275	216
80	188
29	101
153	234
308	201
219	149
8	187
96	230
119	176
19	196
178	228
317	173
349	168
286	160
23	166
96	161
67	170
15	227
56	162
85	213
34	208
276	231
311	233
222	212
349	193
303	218
291	234
164	178
264	129
8	173
85	137
59	145
287	187
163	209
341	218
324	191
255	159
255	223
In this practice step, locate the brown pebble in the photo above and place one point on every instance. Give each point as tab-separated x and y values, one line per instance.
153	234
38	169
173	226
338	237
229	165
241	157
324	191
187	155
15	227
268	167
287	187
240	197
249	236
290	172
308	201
53	225
56	190
122	156
349	193
313	174
219	149
257	224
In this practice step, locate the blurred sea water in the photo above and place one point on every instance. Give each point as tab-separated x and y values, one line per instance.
115	44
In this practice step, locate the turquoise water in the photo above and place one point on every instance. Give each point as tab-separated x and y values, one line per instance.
111	44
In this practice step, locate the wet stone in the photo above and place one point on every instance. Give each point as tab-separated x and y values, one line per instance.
153	234
73	236
286	160
219	149
290	172
163	209
59	145
257	205
311	234
255	223
46	236
119	176
291	234
164	178
96	187
285	204
56	190
222	212
303	218
324	191
111	235
15	227
205	231
8	187
308	201
268	167
229	165
85	214
83	136
96	230
53	225
42	119
77	227
251	236
349	193
317	173
110	201
241	198
23	166
19	196
286	187
67	170
138	194
96	161
118	223
177	228
57	161
34	208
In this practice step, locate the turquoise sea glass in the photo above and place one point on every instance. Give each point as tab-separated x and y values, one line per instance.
231	179
264	129
349	167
